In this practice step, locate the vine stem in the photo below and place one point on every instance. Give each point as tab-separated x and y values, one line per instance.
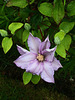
41	33
48	26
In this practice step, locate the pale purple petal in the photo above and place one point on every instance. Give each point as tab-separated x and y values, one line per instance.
32	66
56	64
24	60
47	42
39	69
22	50
49	54
48	72
33	43
44	45
35	67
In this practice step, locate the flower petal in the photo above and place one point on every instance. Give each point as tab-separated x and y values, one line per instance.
44	45
22	50
56	64
47	42
47	73
49	54
33	43
35	67
24	60
39	69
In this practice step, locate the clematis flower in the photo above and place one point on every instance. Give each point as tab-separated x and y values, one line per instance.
39	60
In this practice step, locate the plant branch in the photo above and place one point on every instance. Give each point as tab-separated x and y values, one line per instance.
41	33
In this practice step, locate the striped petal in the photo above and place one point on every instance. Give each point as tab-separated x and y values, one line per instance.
56	64
47	73
24	60
22	50
33	43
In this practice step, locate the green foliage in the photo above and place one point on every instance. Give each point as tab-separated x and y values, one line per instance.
15	26
26	77
58	11
64	2
45	24
19	3
46	9
7	44
59	36
71	8
3	32
35	79
27	26
66	26
19	34
61	50
66	42
64	45
25	35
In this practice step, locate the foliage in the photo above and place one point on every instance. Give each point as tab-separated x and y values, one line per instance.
55	18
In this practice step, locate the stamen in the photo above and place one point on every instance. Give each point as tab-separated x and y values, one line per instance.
40	57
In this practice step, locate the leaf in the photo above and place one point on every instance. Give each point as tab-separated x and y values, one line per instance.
61	50
57	40
3	32
66	42
35	79
66	26
71	8
25	35
27	26
7	44
19	34
58	11
19	3
59	36
26	77
14	26
46	9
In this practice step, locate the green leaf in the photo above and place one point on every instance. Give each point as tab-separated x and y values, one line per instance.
58	11
26	77
59	36
71	8
27	26
14	26
46	9
3	32
19	3
61	50
19	34
35	79
25	35
66	42
66	26
57	40
7	44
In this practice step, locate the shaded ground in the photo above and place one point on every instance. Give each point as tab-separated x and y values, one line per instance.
12	87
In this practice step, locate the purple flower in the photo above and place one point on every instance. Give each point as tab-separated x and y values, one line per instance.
39	60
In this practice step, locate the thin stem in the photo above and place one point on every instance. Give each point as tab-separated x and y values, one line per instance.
41	33
49	26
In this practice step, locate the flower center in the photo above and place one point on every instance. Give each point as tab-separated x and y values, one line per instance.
40	57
